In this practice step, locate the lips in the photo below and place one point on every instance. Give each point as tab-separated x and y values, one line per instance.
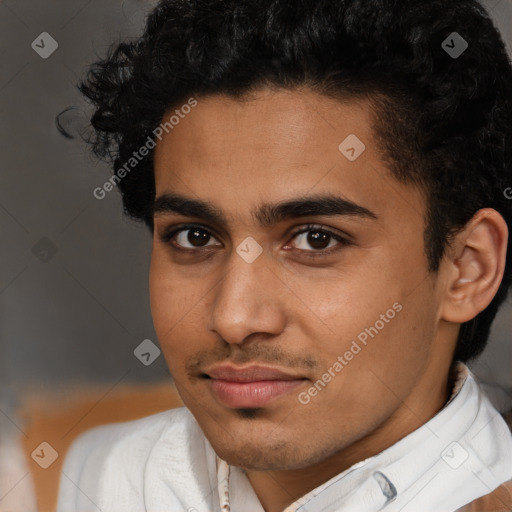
252	386
249	374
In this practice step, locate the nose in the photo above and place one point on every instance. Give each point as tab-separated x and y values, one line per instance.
247	300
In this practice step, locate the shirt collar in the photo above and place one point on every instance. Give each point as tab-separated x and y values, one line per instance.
375	482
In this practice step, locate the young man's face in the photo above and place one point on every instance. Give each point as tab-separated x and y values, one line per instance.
287	356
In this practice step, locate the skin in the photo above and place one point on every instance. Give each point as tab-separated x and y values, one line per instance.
297	313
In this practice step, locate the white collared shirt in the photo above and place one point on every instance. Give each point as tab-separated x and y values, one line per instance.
164	463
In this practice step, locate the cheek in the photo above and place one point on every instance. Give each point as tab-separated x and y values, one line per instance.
159	296
380	320
172	296
168	301
178	310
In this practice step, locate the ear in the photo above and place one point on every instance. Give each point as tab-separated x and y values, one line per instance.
476	263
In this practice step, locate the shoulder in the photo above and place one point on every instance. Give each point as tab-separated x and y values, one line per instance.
141	433
114	456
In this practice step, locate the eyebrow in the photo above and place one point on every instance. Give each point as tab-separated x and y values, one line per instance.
267	214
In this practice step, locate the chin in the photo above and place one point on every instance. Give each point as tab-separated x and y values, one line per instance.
260	457
256	451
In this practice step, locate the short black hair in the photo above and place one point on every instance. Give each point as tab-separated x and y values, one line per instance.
443	121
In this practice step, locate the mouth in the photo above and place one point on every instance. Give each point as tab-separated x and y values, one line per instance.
251	386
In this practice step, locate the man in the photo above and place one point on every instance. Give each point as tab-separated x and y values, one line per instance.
326	186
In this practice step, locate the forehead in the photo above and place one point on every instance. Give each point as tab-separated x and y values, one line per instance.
277	145
293	125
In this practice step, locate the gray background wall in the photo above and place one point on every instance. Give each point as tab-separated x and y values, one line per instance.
79	315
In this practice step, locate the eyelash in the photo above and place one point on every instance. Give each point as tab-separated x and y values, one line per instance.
168	235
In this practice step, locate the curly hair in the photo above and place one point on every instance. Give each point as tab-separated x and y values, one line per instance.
442	122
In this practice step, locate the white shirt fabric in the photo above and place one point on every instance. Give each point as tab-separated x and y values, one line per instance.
164	463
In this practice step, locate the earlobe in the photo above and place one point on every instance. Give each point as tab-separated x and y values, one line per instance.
477	266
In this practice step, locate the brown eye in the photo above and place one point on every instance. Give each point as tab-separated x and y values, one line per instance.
315	238
314	241
189	237
318	239
196	237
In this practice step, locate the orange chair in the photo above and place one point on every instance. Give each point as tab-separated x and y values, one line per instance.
58	419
